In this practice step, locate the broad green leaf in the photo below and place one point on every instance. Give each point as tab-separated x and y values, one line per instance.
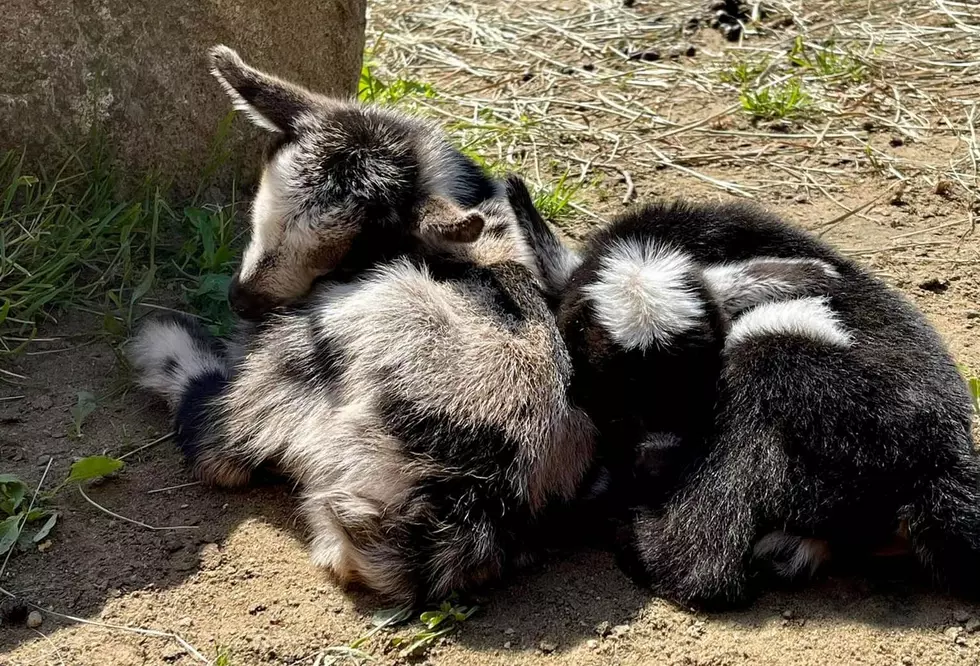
144	286
433	619
45	528
12	493
112	325
9	533
93	467
84	406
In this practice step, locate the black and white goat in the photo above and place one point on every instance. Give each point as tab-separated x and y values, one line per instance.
775	399
418	390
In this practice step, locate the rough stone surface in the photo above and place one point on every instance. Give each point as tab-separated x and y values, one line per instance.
139	67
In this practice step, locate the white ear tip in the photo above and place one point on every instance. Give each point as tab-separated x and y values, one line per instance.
223	58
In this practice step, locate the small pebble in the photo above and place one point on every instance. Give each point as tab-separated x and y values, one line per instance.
507	645
547	647
646	56
588	67
592	643
961	615
620	630
691	52
896	142
509	631
972	625
527	76
936	286
788	615
953	632
34	620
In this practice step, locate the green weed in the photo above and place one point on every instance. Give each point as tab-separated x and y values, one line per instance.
66	240
27	521
372	89
777	102
554	201
743	73
71	240
827	61
437	623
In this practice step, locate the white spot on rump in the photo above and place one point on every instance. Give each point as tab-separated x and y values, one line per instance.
804	317
643	295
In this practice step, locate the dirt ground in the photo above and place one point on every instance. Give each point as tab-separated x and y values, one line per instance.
883	165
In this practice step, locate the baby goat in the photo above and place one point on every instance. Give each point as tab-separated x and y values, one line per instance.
827	411
420	398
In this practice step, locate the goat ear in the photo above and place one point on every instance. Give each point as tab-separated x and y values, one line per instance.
556	262
442	219
269	102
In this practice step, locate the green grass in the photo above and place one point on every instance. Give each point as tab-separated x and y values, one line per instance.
436	624
373	89
743	73
553	200
788	100
827	61
69	239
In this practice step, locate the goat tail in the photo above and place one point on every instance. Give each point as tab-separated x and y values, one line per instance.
171	354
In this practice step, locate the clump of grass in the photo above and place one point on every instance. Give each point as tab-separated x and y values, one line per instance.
785	101
67	239
72	240
436	624
827	61
553	201
223	657
374	90
743	73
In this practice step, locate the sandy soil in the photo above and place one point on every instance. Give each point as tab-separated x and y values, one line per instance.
240	578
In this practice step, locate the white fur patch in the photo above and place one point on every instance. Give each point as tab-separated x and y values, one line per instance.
805	317
642	295
270	210
799	555
739	287
167	358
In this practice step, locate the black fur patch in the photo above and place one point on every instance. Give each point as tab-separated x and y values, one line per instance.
194	415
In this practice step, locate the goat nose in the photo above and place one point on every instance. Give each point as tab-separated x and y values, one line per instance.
245	303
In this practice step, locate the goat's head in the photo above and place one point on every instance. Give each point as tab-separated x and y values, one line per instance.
343	185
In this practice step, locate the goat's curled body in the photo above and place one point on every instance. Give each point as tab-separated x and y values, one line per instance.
422	409
840	417
837	414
